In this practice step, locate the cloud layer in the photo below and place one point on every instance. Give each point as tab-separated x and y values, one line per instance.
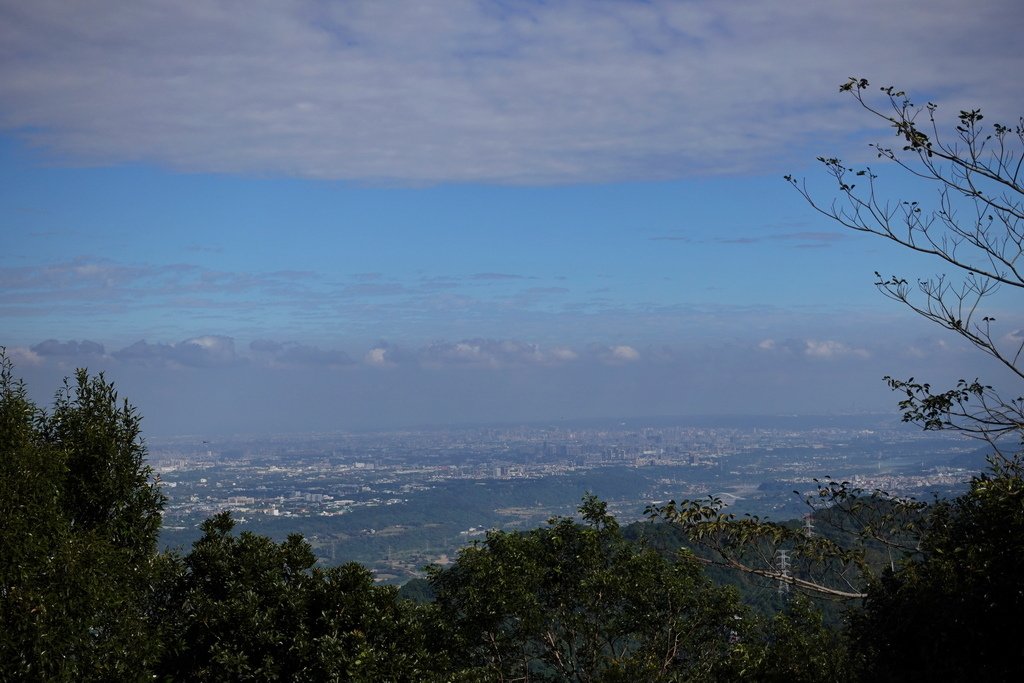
459	90
212	384
480	353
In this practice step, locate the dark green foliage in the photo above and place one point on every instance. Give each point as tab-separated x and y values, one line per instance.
794	646
417	590
758	593
245	607
78	523
108	490
952	615
579	602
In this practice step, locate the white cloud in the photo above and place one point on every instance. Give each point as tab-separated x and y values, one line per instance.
563	354
625	353
20	355
832	349
456	90
213	343
812	348
377	357
1013	338
494	353
916	351
614	355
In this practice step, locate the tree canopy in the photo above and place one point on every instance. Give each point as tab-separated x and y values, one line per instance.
574	602
79	518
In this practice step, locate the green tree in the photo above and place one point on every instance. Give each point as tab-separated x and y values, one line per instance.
79	516
247	608
952	613
109	491
573	602
794	645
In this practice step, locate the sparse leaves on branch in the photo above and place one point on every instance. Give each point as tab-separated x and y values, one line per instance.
857	533
974	224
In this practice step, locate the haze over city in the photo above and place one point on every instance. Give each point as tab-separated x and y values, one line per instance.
263	217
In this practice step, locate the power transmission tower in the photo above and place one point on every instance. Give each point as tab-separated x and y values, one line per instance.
783	568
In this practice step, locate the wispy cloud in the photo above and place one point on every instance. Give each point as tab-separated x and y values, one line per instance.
496	276
204	249
673	238
374	289
798	239
85	286
801	240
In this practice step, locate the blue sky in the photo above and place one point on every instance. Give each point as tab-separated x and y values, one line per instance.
323	215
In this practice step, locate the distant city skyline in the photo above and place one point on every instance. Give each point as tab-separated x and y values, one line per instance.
356	215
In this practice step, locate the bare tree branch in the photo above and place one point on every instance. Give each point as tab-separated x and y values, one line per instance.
975	225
